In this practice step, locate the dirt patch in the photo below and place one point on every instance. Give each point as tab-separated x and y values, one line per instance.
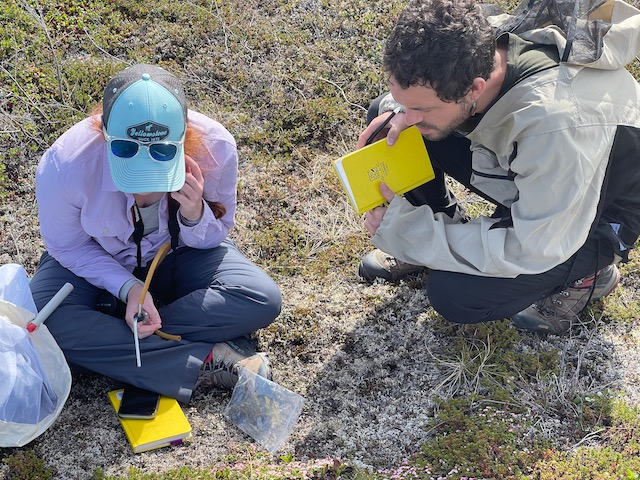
368	359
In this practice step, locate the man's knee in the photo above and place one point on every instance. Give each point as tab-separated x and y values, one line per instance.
372	112
450	302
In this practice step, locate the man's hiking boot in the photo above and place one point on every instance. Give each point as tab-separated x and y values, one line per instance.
377	264
220	368
556	313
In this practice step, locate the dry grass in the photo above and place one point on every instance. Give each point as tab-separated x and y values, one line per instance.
291	80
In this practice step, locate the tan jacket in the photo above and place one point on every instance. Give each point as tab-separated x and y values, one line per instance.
561	149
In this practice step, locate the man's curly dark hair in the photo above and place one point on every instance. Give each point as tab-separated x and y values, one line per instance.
441	44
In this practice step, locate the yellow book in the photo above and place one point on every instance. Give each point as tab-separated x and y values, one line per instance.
169	427
402	166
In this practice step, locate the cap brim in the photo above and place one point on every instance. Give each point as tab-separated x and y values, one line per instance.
143	174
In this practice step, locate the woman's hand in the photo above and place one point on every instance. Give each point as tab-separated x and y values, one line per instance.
190	195
152	322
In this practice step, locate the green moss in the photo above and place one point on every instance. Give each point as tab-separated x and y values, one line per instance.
245	465
278	245
88	78
593	410
621	305
23	25
2	182
336	256
624	434
634	68
474	439
26	465
303	99
588	464
478	208
489	361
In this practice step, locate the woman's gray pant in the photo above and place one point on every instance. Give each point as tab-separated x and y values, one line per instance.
206	296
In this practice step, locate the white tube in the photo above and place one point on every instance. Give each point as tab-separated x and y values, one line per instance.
50	306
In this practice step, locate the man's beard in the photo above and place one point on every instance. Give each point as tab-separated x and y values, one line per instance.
439	133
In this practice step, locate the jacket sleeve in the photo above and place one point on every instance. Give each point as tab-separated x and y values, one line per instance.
558	176
387	104
60	196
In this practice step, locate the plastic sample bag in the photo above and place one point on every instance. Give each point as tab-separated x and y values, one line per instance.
35	379
266	411
26	395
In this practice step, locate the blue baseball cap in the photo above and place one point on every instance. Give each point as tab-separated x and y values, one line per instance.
144	120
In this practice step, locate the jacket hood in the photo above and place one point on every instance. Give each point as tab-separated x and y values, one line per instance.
602	34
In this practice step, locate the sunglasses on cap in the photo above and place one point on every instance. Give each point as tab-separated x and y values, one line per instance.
159	151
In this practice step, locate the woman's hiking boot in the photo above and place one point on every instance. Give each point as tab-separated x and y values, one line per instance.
220	368
556	313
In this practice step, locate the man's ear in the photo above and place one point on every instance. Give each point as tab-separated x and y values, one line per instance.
478	87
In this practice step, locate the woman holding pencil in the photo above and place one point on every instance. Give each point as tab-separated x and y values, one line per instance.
143	175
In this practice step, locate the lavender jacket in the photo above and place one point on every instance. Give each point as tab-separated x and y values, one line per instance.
85	221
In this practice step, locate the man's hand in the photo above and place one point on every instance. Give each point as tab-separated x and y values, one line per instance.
395	126
151	324
190	195
373	217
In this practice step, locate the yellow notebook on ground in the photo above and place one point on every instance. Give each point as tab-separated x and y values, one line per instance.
169	427
402	166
